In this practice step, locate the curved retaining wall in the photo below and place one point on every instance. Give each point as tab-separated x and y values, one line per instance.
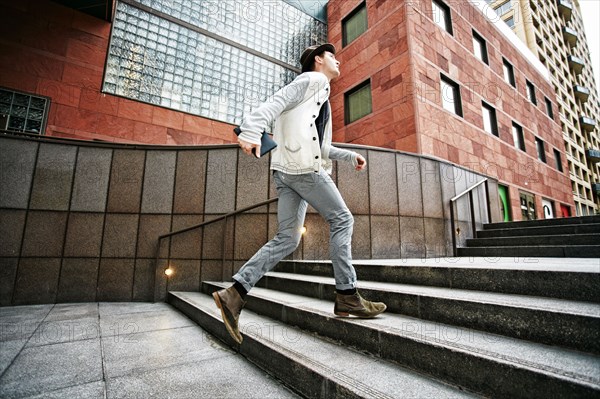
79	221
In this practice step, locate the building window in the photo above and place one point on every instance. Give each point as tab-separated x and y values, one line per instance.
480	47
541	149
518	138
558	160
549	108
510	22
355	24
503	8
528	211
490	124
441	15
451	96
20	112
531	92
509	72
358	102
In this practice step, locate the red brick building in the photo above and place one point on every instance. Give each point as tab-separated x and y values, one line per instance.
404	55
59	52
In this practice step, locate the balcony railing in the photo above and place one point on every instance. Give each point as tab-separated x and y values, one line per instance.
576	64
570	36
581	93
565	8
588	124
593	154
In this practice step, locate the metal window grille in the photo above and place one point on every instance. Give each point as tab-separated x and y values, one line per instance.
22	112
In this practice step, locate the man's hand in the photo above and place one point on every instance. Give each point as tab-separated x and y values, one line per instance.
361	162
247	147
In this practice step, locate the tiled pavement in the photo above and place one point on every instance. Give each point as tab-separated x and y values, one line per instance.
120	350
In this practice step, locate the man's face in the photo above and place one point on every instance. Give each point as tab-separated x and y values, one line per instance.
330	66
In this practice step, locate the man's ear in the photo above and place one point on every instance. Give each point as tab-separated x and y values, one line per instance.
319	59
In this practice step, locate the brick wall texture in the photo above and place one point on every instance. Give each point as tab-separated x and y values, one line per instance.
404	52
58	52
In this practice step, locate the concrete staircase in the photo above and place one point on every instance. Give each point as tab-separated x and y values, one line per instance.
454	328
577	237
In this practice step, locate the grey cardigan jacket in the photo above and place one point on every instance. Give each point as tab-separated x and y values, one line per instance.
294	110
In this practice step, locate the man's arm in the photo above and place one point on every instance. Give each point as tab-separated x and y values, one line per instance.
259	119
339	154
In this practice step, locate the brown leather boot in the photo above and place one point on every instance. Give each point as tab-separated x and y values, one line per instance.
230	302
356	305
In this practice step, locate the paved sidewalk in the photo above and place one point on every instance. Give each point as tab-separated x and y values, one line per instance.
120	350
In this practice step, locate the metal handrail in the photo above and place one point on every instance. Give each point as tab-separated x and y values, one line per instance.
202	225
471	203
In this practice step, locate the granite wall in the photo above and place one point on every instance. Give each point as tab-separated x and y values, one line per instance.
79	221
404	54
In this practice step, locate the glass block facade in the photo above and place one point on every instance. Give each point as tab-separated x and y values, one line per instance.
216	59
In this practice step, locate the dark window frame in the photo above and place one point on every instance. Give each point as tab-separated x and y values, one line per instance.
541	155
530	87
558	161
348	17
484	52
447	12
521	137
347	96
494	119
511	72
549	110
458	109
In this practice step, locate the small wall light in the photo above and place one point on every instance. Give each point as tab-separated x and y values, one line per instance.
169	272
303	230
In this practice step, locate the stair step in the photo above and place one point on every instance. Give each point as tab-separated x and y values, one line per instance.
567	251
562	240
551	321
593	228
311	365
544	222
547	277
485	363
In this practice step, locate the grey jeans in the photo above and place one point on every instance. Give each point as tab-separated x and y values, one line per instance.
295	193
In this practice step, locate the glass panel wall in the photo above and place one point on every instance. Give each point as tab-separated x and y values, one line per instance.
213	59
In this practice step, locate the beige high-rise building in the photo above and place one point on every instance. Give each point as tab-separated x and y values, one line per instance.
553	30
